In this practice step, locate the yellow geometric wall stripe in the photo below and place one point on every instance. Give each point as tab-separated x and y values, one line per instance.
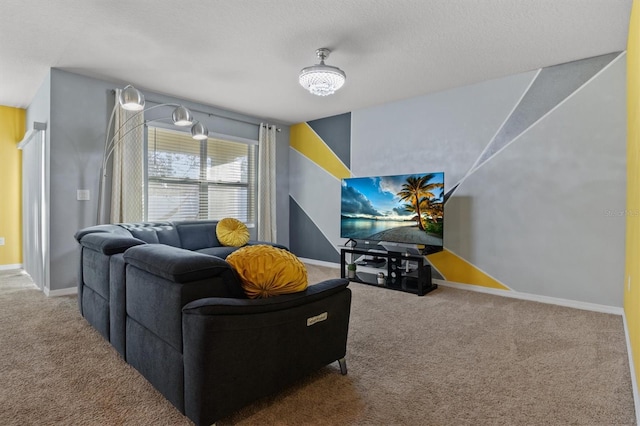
304	140
632	265
455	269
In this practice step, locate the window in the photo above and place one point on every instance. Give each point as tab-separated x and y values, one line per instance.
189	179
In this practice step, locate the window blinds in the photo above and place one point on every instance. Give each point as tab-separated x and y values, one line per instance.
189	179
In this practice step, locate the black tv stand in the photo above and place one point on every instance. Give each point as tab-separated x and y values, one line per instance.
417	280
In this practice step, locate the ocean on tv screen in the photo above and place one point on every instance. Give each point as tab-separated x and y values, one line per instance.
380	230
400	208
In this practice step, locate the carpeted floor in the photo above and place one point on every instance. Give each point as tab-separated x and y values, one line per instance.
453	357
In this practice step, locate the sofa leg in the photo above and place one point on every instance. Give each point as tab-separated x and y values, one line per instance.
343	366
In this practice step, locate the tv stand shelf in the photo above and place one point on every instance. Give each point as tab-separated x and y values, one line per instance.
393	266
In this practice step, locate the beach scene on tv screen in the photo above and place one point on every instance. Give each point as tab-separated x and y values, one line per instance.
401	208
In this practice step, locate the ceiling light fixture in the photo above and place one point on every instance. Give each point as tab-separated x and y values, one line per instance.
321	79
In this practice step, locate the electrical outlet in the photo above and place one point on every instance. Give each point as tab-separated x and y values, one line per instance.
83	195
1	241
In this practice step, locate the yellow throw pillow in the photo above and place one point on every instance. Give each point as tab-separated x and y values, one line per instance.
267	271
232	232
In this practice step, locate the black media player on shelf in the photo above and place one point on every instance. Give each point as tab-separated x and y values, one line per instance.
400	271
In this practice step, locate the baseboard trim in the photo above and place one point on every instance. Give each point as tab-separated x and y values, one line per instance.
606	309
320	263
9	267
61	292
632	370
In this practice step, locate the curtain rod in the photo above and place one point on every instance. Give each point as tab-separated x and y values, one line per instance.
210	114
271	126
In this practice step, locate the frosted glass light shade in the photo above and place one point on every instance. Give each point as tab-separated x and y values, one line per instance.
131	99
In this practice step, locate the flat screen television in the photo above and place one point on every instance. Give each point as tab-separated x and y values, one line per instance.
406	211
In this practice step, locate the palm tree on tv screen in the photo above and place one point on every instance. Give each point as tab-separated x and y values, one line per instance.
416	191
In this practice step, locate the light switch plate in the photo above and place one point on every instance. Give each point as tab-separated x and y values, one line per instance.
1	241
83	195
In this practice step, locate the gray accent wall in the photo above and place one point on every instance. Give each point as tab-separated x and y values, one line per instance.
543	216
79	113
282	186
336	133
445	131
551	86
313	245
80	109
535	175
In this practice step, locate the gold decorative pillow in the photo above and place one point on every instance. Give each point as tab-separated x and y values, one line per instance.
232	232
267	271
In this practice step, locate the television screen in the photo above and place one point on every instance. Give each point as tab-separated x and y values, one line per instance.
403	209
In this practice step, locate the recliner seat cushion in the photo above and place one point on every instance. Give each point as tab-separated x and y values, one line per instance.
222	252
176	265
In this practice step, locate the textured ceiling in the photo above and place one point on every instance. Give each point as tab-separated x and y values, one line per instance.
245	55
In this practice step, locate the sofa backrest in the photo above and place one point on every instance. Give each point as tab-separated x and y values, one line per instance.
197	234
154	232
186	234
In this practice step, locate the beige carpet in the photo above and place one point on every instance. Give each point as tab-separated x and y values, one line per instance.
452	357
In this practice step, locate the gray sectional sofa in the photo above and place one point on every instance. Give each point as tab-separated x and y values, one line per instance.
174	309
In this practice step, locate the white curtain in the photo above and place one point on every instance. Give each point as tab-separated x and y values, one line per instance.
127	182
267	183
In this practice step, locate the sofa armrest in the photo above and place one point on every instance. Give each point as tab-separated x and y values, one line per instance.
107	243
237	351
102	229
175	264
